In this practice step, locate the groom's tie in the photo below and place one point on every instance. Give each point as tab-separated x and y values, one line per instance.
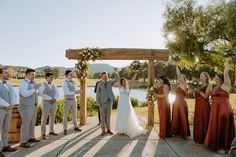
106	84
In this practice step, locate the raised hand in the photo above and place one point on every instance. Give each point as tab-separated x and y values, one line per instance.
115	69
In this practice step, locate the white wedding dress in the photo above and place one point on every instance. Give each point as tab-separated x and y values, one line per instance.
127	121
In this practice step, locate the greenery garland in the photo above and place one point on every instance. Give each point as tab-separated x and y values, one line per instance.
86	54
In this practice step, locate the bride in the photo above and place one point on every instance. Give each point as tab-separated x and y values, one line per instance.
127	121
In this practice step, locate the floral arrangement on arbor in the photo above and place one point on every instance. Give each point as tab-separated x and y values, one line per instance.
151	94
82	65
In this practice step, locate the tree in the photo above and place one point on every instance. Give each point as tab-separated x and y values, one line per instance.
200	35
56	73
97	75
48	70
11	71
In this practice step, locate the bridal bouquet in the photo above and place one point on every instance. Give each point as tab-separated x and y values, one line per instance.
151	94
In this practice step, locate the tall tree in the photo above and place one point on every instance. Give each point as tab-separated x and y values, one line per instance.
200	35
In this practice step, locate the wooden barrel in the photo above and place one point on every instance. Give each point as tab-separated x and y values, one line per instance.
14	131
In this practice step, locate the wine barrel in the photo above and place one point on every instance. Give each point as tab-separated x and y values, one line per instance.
14	131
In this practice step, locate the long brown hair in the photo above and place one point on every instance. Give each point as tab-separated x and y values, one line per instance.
207	76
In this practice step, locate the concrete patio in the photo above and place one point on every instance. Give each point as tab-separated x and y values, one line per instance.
89	143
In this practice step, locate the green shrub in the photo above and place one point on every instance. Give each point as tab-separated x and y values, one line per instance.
134	101
143	104
115	102
91	104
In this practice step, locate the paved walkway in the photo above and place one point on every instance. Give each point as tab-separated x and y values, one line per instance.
89	143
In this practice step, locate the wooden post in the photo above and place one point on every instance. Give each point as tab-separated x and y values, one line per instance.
150	84
83	103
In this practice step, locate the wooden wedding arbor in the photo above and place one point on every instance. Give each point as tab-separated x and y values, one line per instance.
122	54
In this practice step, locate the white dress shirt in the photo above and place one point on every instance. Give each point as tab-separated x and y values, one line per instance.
66	89
45	96
24	91
13	96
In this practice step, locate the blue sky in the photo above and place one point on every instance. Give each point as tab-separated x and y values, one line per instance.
37	33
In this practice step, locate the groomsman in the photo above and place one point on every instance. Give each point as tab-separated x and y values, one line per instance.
70	104
28	108
49	93
7	100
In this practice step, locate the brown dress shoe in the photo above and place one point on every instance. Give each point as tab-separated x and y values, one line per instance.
77	129
43	136
109	132
8	149
65	132
25	145
103	133
53	133
2	154
33	140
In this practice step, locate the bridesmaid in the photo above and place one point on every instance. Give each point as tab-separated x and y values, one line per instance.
202	108
180	123
164	107
221	129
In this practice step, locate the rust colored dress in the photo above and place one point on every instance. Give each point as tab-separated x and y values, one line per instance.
221	129
164	115
201	117
180	123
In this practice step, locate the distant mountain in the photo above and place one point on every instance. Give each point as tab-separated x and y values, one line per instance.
62	69
97	68
93	68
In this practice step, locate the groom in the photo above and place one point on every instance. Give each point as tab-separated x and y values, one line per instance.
104	99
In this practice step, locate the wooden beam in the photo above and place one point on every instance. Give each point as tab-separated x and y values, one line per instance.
150	84
83	103
125	54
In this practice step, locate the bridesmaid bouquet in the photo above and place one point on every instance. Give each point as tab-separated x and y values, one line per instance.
175	57
195	84
230	52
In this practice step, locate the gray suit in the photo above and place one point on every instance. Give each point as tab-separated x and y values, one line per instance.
28	113
104	99
233	148
5	115
70	104
48	110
